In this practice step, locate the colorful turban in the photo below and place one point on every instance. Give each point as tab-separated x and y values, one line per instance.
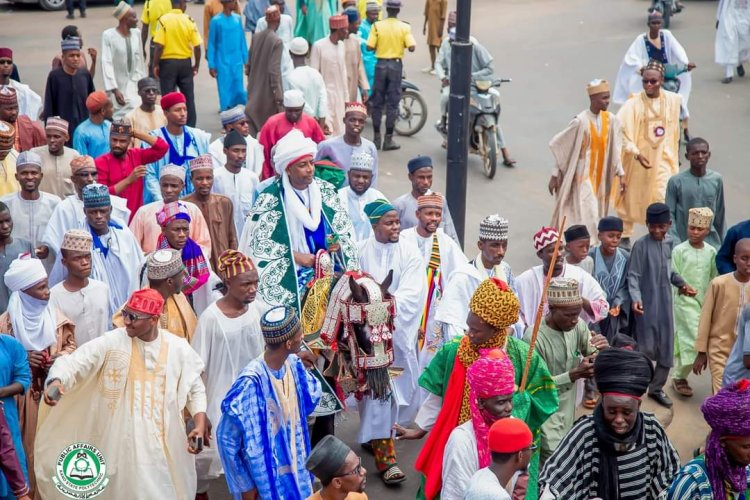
96	101
375	210
700	217
70	43
201	162
8	96
58	124
96	196
77	240
432	200
338	22
279	324
355	107
495	303
493	228
544	237
232	115
80	162
172	98
23	273
163	264
146	301
171	212
510	435
173	170
489	376
232	263
419	162
29	158
563	292
291	148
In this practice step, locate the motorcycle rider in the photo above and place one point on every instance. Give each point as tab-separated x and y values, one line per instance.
481	69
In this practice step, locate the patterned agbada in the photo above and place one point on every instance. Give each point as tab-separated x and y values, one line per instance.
445	379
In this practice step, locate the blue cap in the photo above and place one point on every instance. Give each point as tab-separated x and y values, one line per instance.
96	196
419	162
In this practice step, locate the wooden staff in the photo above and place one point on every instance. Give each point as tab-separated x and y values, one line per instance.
540	309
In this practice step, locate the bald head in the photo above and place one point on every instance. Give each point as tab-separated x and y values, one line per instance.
742	246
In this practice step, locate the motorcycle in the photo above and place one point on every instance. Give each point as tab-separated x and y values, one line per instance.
484	116
412	110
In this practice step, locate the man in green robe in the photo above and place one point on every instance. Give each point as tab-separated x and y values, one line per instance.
312	19
492	312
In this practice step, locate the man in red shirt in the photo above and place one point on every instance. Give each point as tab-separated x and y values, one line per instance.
123	168
280	124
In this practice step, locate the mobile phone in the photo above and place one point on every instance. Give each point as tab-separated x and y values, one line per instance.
54	393
196	443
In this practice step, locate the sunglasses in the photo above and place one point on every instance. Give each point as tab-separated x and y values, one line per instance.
127	315
652	81
355	471
6	61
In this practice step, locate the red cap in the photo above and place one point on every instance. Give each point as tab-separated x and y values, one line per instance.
146	301
6	52
172	98
509	435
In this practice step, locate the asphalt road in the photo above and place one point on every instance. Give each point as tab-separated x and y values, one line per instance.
551	49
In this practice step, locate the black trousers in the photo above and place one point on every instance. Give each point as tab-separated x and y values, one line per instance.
178	73
386	93
70	5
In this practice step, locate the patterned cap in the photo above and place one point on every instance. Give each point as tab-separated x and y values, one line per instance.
545	236
163	264
355	107
563	292
174	171
29	158
170	212
700	217
120	11
201	162
120	128
80	162
371	6
432	200
232	263
375	210
493	228
77	240
338	22
70	43
8	96
279	324
232	115
7	136
57	123
362	161
146	301
495	303
96	196
597	87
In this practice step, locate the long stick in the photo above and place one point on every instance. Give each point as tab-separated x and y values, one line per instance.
540	309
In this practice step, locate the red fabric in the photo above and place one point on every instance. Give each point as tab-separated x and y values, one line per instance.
430	459
146	301
29	134
6	52
112	170
172	98
277	127
509	435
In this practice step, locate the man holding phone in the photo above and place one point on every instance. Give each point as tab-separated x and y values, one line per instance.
124	394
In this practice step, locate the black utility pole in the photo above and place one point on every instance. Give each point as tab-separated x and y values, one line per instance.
458	117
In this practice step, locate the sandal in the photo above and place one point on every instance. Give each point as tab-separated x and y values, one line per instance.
509	162
590	404
682	387
393	475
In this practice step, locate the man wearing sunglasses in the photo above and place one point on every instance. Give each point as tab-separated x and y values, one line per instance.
339	469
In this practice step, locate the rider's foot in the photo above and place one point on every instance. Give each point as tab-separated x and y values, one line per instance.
377	140
740	70
388	144
507	160
727	80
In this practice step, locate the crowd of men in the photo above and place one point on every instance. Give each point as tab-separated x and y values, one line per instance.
194	309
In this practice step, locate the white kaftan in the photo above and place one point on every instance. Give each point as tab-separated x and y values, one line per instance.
240	188
409	290
126	397
355	206
308	81
29	102
330	60
733	33
122	67
88	309
30	219
253	161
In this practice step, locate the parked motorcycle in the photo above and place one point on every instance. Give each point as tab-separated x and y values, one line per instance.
484	116
412	110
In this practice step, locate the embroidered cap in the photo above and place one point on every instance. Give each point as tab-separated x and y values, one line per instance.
58	124
597	87
70	43
77	240
563	292
299	46
355	107
8	96
170	212
432	200
545	236
120	11
362	161
232	115
493	228
279	324
201	162
375	210
700	217
120	128
174	171
28	158
80	162
163	264
96	196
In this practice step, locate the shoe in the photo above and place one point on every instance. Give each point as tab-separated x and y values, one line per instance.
83	14
432	72
681	387
427	69
740	70
727	80
377	140
70	16
661	398
388	144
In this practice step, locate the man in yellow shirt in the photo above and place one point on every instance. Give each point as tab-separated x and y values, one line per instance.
388	38
339	469
152	11
176	40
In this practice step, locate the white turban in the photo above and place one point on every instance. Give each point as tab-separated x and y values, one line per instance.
293	146
294	98
23	273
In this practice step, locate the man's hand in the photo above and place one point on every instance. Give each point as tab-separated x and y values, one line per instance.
156	71
445	82
623	184
615	311
47	399
119	97
700	363
252	494
41	252
424	28
409	434
637	308
308	358
202	430
584	370
212	72
691	66
37	359
138	173
688	290
643	161
92	53
599	342
304	259
195	69
554	184
364	93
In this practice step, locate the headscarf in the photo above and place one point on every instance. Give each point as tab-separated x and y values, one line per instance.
34	322
491	375
192	255
495	303
232	263
728	414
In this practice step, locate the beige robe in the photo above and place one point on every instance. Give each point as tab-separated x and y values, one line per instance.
28	403
126	397
651	128
355	67
330	61
717	329
56	169
578	198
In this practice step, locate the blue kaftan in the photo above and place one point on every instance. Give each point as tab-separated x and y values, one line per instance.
190	144
14	367
92	139
255	445
227	54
